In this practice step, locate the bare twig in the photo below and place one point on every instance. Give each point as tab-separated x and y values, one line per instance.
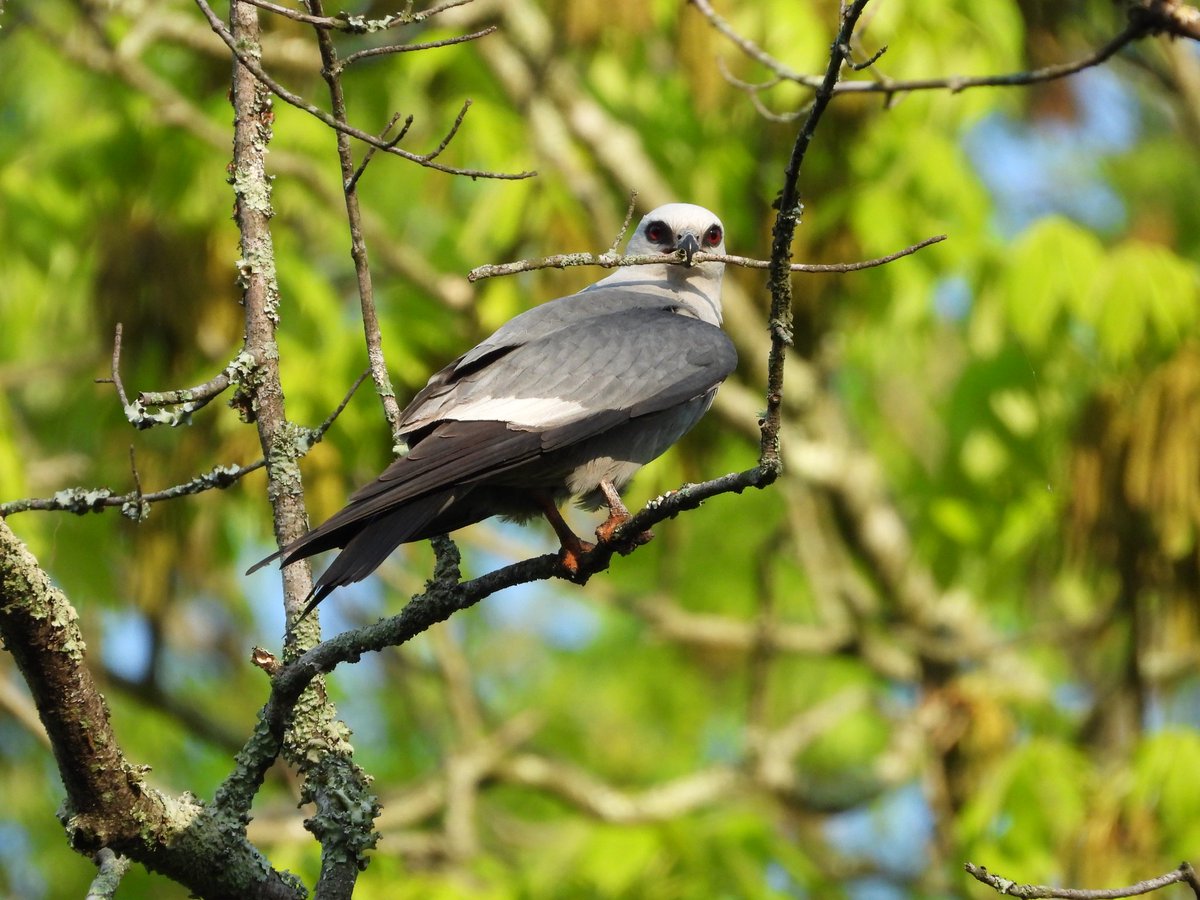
454	126
331	71
409	48
624	225
827	267
138	508
81	500
115	376
300	103
355	24
370	154
611	260
1185	874
1146	18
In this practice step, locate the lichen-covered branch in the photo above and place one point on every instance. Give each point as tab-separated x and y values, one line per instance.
788	216
1185	874
315	742
109	804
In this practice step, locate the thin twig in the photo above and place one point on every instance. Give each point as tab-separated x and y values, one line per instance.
300	103
115	377
81	500
1144	20
370	154
331	71
611	260
85	500
188	400
1185	874
355	24
625	224
455	125
409	48
138	507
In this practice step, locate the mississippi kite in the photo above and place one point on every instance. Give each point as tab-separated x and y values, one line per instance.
568	399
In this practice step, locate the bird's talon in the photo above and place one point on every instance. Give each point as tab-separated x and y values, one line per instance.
627	544
571	557
606	530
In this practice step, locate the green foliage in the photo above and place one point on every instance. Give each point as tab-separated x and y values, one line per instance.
950	408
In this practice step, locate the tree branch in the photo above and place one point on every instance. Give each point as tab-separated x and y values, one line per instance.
1185	874
315	742
613	260
108	802
80	500
112	869
356	24
1146	17
410	48
331	71
188	399
300	103
789	210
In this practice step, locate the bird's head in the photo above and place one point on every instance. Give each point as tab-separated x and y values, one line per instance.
680	227
688	230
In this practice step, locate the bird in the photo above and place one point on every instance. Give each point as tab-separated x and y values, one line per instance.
568	399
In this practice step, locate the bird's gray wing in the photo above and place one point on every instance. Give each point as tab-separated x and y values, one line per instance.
532	325
582	379
563	388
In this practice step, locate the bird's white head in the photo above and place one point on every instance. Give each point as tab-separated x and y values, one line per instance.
680	227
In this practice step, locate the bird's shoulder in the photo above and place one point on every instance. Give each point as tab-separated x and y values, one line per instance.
547	334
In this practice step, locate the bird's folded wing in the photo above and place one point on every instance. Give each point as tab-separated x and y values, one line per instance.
558	390
639	360
562	389
540	323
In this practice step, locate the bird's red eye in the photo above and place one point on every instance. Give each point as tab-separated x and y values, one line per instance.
713	236
658	233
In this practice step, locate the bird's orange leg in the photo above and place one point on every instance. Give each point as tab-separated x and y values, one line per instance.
618	515
573	546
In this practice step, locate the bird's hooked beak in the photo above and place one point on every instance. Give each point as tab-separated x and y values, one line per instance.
690	245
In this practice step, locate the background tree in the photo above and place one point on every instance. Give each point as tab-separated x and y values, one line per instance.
961	627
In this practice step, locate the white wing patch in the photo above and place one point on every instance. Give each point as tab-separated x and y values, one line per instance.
523	412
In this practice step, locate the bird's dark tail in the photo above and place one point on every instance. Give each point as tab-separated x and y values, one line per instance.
366	543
